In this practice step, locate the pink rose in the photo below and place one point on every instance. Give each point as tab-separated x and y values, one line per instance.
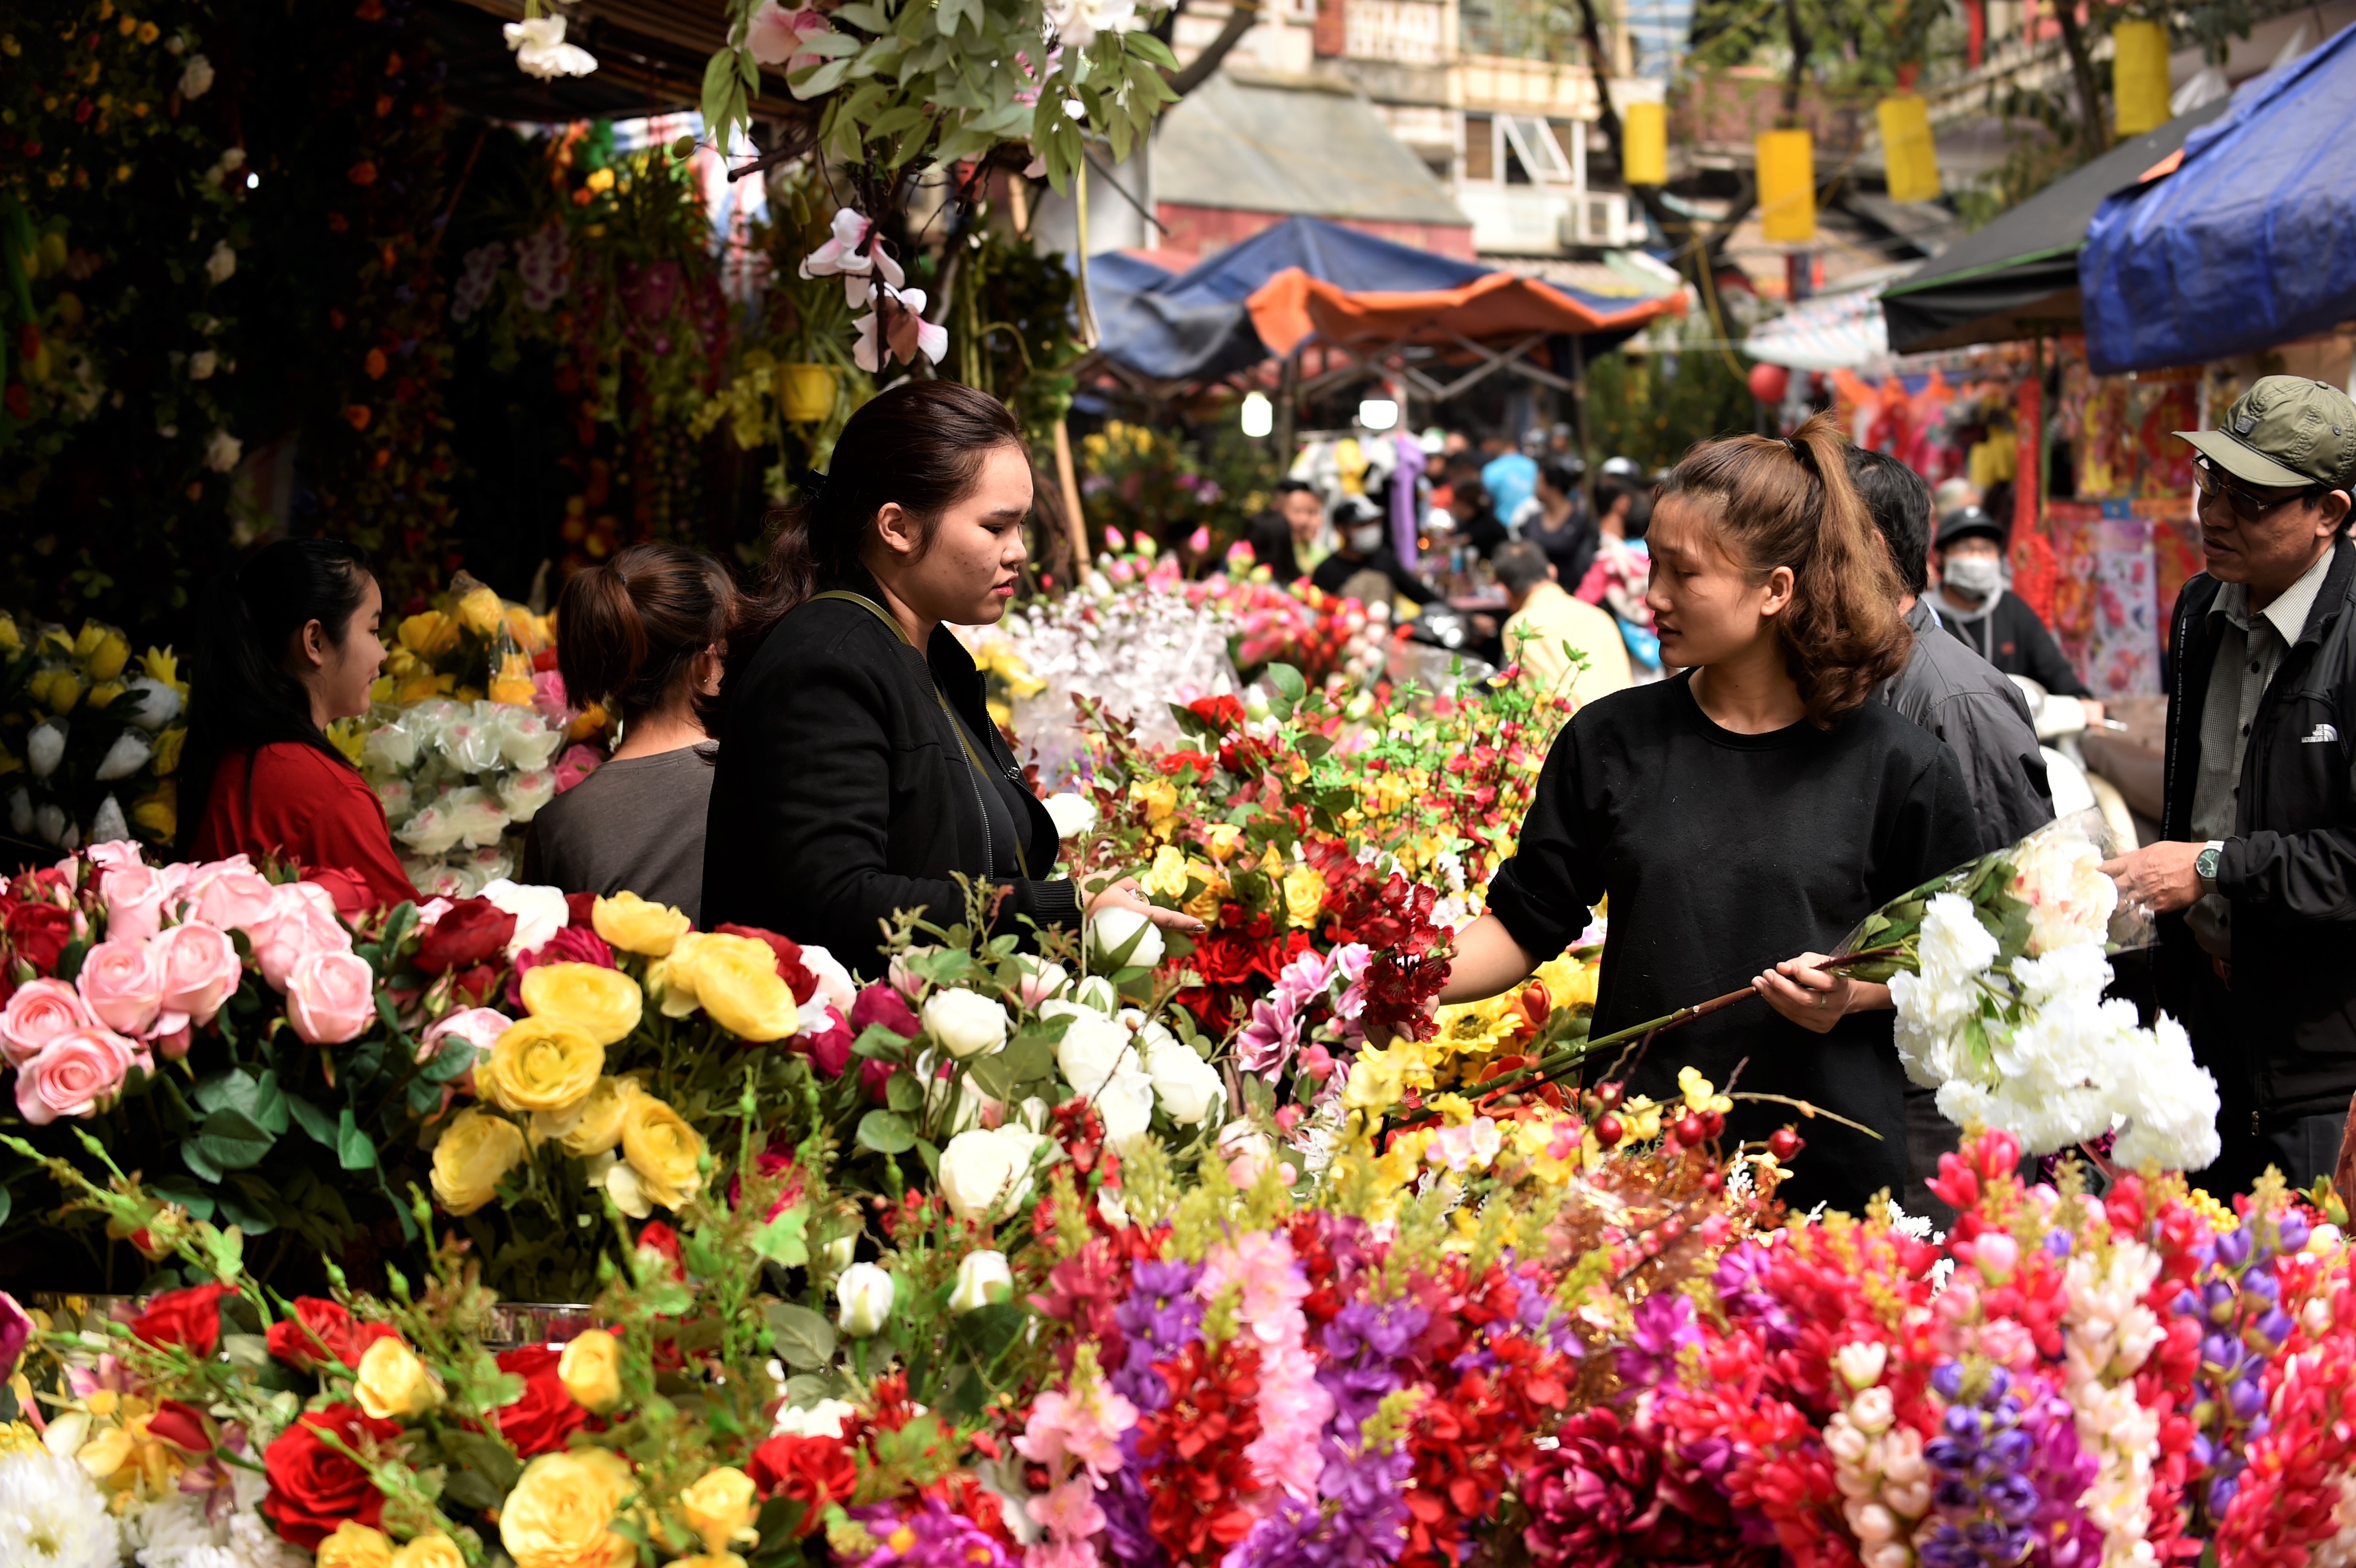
477	1027
548	698
330	996
299	925
114	853
199	969
74	1073
39	1012
122	988
135	896
231	895
577	764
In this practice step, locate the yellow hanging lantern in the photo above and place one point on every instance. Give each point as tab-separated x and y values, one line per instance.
1908	155
1645	144
1787	185
2139	76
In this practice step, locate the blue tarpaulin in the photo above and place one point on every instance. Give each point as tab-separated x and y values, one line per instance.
2250	242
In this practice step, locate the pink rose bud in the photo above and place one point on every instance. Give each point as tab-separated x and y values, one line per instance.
39	1012
75	1074
477	1027
173	1045
330	996
199	969
121	987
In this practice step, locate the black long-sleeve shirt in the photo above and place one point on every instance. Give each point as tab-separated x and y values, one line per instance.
1723	855
2008	635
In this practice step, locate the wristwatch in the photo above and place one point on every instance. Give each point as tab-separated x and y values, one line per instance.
2204	865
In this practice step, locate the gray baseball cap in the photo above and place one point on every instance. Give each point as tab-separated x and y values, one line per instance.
2284	431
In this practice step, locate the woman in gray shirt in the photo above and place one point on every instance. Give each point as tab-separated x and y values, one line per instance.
643	634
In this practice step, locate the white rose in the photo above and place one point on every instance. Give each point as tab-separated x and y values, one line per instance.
1041	981
1188	1087
476	815
1119	938
523	793
966	1023
1094	1048
525	739
1125	1105
986	1170
835	985
43	749
540	912
863	1297
471	740
222	451
159	704
431	833
1096	992
126	756
196	77
1072	814
396	797
978	1272
389	749
823	1419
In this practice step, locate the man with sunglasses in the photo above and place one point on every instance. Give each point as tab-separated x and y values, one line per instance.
2256	878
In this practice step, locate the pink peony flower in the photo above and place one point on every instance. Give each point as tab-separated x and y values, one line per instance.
330	996
39	1012
231	895
121	987
477	1027
74	1073
302	922
548	698
198	969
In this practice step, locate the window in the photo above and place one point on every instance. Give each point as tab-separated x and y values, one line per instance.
1480	150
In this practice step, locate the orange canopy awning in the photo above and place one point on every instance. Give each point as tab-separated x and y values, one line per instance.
1291	305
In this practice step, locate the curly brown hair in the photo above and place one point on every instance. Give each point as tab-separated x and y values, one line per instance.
1791	501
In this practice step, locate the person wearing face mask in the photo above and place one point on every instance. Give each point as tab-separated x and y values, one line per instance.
1366	547
1994	622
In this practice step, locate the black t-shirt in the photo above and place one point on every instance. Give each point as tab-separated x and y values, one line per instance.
1723	855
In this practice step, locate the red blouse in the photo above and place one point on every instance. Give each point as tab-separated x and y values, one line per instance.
296	801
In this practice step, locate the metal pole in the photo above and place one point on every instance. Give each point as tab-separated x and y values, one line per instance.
1288	388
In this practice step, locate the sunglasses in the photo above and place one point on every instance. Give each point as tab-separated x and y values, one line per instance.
2247	505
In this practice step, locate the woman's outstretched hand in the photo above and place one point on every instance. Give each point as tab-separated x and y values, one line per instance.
1124	894
1815	998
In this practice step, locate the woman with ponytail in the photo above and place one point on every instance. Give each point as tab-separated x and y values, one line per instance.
1754	807
643	634
289	645
859	774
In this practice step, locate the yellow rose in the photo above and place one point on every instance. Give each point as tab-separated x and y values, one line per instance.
355	1545
512	684
1305	895
1224	837
599	1126
64	691
106	661
737	981
433	1551
392	1382
634	925
541	1065
591	1370
1159	796
560	1512
428	633
86	642
481	611
721	1509
105	692
1167	875
600	1003
475	1152
663	1149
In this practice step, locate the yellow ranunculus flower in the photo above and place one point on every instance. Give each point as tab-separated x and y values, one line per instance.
392	1382
663	1149
1167	875
599	1125
604	1004
540	1064
721	1509
737	981
427	633
475	1152
1159	796
433	1550
560	1512
106	660
169	743
481	611
1304	896
355	1545
1224	837
591	1370
634	925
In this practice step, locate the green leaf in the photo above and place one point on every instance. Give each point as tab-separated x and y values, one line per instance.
472	1490
879	1044
822	79
1287	679
904	1094
1150	48
355	1150
864	15
455	1059
229	1140
886	1132
988	1330
485	1455
719	83
196	1197
784	1240
801	1338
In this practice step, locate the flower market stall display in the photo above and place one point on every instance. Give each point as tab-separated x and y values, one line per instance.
90	737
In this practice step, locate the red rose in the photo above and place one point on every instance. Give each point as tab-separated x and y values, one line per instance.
658	1237
828	1049
578	910
469	931
189	1317
39	932
312	1489
813	1471
544	1416
184	1427
1219	712
790	958
880	1003
323	1327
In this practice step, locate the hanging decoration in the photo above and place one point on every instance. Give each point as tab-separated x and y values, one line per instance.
2139	90
1645	142
1787	185
1909	156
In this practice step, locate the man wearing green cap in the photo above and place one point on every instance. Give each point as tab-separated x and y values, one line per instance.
2256	878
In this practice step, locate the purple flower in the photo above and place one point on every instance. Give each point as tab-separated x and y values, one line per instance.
1664	1327
1358	1522
936	1536
1160	1317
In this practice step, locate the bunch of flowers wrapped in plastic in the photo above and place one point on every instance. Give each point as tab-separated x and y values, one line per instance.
90	735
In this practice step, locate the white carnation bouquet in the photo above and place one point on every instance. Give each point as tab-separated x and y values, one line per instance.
1998	970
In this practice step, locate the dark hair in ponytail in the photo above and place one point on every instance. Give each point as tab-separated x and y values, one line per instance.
628	632
241	695
921	443
1791	503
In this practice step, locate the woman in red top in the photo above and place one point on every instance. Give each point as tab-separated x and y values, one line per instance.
290	643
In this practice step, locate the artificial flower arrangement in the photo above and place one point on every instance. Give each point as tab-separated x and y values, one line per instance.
89	736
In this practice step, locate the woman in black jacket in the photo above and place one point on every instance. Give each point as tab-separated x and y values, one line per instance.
856	773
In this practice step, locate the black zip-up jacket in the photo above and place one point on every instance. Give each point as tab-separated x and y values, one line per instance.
842	793
1957	695
2011	637
2289	869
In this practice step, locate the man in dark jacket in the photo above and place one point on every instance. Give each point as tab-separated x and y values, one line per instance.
1364	549
1960	698
1991	620
2255	881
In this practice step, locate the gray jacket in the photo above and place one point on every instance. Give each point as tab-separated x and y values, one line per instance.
1959	697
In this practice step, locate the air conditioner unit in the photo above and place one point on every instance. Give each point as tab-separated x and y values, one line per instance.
1598	218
